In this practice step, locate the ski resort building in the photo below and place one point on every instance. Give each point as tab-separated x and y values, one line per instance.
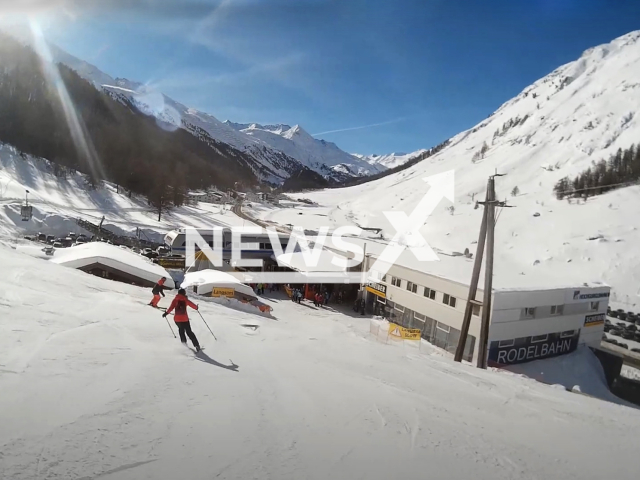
113	263
525	323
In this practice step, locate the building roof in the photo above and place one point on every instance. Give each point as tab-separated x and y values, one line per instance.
297	261
207	279
455	267
114	257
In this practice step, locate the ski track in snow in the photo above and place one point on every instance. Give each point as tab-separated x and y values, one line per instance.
101	389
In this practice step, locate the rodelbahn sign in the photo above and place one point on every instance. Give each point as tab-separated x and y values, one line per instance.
521	350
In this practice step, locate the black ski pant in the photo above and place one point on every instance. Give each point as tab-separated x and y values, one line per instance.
184	330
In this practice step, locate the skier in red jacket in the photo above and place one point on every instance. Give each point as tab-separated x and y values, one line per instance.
158	290
180	303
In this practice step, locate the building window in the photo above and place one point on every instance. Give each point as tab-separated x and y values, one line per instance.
475	310
568	333
431	294
506	343
539	338
412	287
417	321
528	312
381	300
396	282
399	307
449	300
594	306
557	309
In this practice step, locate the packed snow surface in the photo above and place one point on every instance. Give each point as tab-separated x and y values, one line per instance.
121	259
207	279
94	386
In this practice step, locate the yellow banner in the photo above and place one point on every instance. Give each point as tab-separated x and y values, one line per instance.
404	333
375	291
223	292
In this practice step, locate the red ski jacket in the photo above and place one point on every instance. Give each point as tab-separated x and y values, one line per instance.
180	303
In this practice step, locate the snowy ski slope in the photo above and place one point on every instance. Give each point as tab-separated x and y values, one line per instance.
580	113
95	386
58	202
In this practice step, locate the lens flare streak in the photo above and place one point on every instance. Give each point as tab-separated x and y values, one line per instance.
79	135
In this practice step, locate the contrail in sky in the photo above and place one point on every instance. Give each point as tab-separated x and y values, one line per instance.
360	127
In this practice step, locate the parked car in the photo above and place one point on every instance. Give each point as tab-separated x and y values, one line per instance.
623	345
613	313
162	251
50	239
622	315
628	335
616	331
58	245
147	252
636	350
42	237
49	250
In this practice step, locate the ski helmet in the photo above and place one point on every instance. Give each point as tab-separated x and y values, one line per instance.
182	291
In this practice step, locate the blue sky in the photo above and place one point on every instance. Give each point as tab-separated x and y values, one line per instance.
424	69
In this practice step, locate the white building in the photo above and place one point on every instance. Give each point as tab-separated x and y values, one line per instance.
526	323
208	197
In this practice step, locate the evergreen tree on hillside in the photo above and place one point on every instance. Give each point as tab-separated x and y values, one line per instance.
622	168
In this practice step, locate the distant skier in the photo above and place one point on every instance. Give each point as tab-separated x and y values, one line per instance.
180	303
158	289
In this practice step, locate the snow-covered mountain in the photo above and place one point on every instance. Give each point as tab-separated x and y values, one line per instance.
390	160
319	155
579	114
275	157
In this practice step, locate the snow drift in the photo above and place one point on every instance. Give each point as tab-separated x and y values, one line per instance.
115	257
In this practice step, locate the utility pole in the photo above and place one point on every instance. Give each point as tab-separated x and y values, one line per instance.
488	275
487	231
473	286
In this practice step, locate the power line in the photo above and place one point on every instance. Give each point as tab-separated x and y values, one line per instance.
567	192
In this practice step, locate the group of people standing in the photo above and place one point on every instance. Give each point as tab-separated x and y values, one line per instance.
296	295
260	288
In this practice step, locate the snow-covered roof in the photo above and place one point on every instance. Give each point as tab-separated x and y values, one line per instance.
114	257
207	279
297	261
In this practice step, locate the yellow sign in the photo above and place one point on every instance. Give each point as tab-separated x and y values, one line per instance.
376	291
223	292
404	333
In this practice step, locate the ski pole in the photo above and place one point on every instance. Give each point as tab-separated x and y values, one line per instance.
165	317
205	322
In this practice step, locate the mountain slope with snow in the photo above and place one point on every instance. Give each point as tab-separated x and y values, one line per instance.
277	153
319	155
580	113
390	160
